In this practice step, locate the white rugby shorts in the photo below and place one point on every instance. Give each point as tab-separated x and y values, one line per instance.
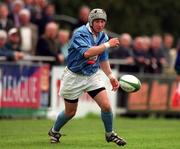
73	85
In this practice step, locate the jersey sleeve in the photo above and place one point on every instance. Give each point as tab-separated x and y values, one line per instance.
105	55
81	43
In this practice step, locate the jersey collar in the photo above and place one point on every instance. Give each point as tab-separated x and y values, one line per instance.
90	30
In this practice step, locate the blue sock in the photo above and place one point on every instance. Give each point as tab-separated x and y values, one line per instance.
61	120
107	118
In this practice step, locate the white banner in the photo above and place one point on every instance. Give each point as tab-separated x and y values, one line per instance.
85	105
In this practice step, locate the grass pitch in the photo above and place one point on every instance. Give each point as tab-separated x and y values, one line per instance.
88	133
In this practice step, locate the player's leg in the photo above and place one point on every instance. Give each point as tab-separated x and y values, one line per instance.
100	96
70	90
62	119
66	115
104	104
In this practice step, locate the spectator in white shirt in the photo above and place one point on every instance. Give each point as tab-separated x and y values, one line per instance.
28	32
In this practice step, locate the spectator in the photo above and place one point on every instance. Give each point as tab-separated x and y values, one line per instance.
146	43
13	42
29	4
125	46
124	51
168	49
47	45
46	16
5	23
145	50
157	57
9	4
83	16
18	5
39	6
141	56
28	33
63	40
125	40
8	53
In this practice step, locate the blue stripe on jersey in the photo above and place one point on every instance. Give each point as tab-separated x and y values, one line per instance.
81	41
76	42
100	40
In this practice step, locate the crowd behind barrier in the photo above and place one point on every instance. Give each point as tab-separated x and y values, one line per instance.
29	32
30	28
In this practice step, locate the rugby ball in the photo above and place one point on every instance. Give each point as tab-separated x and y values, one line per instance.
129	83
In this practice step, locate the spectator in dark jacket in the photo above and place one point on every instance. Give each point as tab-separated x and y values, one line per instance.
141	56
17	6
38	14
13	41
5	23
46	17
47	45
83	16
158	60
8	53
124	52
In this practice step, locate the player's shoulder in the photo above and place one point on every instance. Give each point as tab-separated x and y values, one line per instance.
81	32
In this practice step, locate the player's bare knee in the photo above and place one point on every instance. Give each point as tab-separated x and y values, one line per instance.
106	108
70	113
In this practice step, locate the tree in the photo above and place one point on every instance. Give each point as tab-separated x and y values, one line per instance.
135	17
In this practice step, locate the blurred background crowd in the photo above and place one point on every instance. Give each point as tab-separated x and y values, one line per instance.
29	28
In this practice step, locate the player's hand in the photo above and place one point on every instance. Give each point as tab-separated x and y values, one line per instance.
114	42
114	83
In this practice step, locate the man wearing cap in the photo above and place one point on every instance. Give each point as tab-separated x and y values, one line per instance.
88	51
8	53
13	42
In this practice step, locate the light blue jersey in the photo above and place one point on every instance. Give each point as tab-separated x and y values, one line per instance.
81	41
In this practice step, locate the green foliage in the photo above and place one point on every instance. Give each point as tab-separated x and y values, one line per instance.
137	17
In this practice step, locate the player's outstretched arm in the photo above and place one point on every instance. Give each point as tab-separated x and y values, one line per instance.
96	50
105	66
